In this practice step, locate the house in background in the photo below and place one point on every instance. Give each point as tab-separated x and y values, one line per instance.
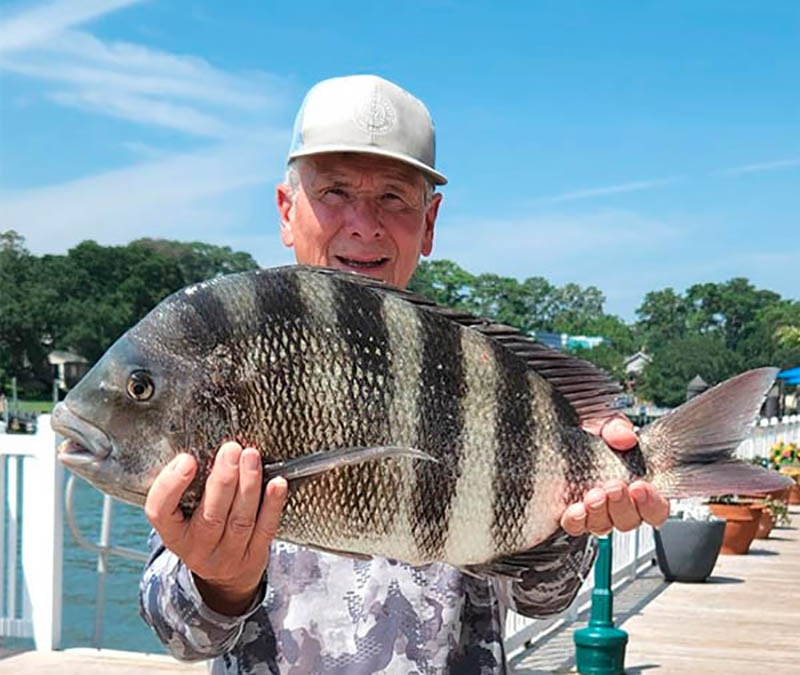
68	368
634	365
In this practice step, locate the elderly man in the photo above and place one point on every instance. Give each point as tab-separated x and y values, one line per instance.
358	196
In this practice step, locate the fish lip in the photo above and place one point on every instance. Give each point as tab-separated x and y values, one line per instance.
85	443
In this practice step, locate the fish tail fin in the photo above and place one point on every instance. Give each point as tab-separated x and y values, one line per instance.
689	451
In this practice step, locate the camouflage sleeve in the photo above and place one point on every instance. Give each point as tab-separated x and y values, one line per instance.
171	605
550	584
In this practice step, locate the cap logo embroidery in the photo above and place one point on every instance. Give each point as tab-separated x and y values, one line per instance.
376	115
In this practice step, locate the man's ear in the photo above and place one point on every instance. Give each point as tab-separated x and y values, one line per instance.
285	202
430	221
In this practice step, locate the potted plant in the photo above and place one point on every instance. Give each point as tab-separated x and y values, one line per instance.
741	522
689	542
786	458
775	512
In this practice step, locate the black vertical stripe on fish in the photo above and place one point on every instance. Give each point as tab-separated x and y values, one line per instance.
442	386
363	330
207	323
578	455
280	307
516	452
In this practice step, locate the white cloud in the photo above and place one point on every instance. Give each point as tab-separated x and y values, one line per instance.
146	111
210	193
31	27
200	195
129	81
774	165
589	193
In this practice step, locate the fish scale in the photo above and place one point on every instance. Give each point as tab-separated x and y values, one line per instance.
406	430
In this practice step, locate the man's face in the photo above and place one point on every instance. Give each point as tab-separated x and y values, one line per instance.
360	213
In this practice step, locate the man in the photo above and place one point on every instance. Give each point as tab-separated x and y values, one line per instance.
359	196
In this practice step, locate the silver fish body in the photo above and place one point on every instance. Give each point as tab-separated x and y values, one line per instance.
468	433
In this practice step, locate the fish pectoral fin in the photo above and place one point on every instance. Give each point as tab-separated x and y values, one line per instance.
548	576
363	557
326	460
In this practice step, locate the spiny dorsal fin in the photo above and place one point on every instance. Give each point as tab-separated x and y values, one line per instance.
588	389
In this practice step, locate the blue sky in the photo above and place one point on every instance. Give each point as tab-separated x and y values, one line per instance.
627	145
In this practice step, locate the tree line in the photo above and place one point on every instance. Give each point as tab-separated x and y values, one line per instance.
83	300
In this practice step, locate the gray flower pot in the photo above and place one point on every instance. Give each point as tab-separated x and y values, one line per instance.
687	550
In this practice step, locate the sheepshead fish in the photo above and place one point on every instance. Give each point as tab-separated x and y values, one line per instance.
405	430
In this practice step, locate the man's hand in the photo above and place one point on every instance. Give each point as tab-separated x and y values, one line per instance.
615	504
226	541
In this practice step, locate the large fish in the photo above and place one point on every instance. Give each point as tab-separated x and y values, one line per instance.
406	430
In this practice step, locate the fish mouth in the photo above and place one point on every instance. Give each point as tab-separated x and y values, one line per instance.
85	443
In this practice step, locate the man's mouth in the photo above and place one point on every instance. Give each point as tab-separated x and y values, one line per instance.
362	264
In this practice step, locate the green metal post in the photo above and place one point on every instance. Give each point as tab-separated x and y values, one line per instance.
600	647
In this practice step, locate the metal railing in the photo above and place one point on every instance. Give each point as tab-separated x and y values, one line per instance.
103	549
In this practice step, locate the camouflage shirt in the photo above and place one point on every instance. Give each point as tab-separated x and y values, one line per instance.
322	613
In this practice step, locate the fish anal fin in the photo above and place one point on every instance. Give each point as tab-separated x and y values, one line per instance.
547	577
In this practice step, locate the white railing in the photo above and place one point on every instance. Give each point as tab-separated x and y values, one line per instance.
767	433
31	537
633	552
31	519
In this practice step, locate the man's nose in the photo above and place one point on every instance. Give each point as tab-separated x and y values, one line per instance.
364	219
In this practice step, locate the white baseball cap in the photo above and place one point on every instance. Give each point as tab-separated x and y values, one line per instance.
365	113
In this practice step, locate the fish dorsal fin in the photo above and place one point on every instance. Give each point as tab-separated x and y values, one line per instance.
588	389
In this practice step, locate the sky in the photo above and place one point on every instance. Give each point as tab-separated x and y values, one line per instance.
629	145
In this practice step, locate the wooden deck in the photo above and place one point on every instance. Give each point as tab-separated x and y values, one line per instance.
744	620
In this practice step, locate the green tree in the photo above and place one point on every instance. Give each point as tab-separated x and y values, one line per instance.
198	261
443	282
664	381
663	317
727	308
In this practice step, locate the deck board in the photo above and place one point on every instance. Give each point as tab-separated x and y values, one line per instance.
744	619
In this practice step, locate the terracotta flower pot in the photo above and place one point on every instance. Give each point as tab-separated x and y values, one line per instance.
741	525
766	522
794	494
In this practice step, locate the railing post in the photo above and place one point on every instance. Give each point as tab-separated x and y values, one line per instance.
42	538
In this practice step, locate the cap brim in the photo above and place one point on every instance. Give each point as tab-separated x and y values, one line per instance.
435	176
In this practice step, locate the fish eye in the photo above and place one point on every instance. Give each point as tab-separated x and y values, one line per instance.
141	386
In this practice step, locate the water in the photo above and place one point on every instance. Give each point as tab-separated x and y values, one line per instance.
122	627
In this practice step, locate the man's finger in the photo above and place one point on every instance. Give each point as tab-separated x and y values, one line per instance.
244	510
618	434
653	507
211	516
269	517
573	521
161	506
621	508
597	520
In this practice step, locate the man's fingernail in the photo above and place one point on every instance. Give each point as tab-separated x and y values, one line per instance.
183	465
614	493
232	456
251	461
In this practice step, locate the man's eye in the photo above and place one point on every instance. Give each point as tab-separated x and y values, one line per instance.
393	201
335	196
